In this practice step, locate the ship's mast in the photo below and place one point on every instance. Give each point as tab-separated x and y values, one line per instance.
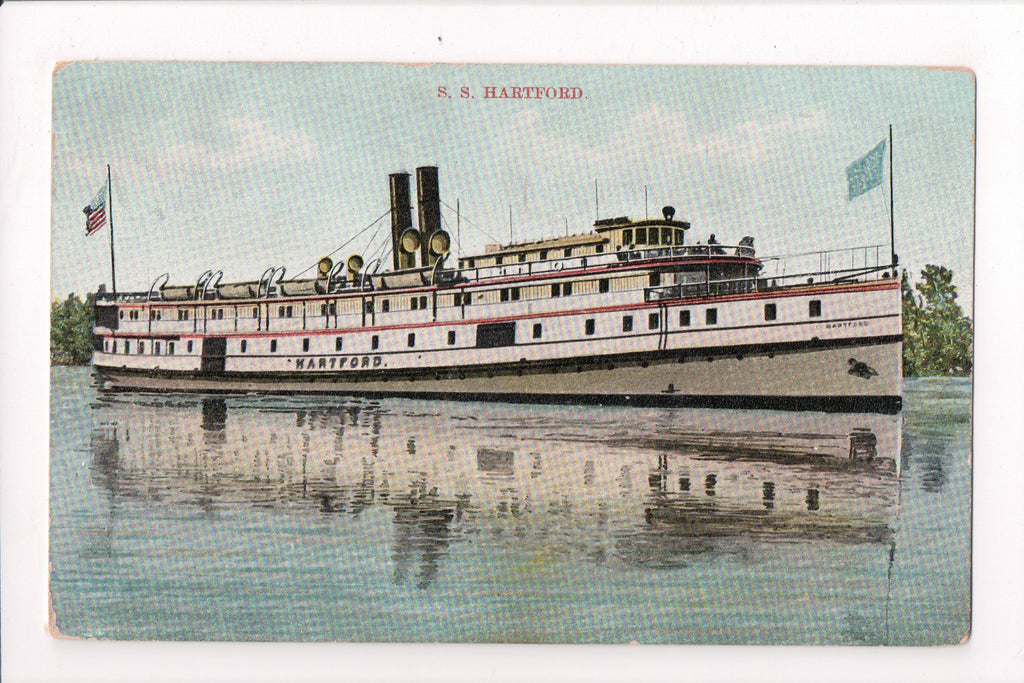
110	216
892	220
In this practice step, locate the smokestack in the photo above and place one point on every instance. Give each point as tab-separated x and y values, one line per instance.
401	214
428	205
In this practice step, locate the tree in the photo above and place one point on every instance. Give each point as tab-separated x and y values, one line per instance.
938	339
71	324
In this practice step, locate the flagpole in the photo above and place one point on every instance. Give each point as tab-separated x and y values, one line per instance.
110	217
892	220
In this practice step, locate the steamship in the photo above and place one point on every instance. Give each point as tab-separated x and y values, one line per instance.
630	311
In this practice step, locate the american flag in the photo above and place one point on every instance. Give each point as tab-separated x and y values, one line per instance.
96	213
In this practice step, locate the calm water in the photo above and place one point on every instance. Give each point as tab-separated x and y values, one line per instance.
258	518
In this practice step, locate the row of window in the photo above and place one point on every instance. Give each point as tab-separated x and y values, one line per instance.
523	257
415	303
685	320
654	236
589	328
112	346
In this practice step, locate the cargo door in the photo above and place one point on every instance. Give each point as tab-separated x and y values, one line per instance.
214	351
493	335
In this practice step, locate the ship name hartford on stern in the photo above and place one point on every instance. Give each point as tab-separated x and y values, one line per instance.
630	312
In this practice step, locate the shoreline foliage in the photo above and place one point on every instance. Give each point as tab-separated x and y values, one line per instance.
71	322
938	339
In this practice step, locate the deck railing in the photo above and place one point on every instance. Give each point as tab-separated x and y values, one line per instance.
781	272
777	271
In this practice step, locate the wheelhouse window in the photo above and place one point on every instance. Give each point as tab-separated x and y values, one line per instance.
814	308
627	236
770	312
567	252
641	235
711	316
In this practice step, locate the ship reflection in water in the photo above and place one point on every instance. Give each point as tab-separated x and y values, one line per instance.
635	487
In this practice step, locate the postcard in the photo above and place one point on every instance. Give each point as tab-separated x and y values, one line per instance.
479	353
360	349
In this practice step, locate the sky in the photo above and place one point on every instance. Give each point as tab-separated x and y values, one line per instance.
242	166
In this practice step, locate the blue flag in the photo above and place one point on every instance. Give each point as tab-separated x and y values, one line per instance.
866	173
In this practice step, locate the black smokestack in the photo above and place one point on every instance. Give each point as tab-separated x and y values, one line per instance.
401	211
428	204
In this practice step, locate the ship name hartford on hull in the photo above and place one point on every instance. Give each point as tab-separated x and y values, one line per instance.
631	311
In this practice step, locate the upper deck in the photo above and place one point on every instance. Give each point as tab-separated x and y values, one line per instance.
541	260
714	268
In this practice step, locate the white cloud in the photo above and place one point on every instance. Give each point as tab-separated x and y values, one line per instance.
255	143
667	133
